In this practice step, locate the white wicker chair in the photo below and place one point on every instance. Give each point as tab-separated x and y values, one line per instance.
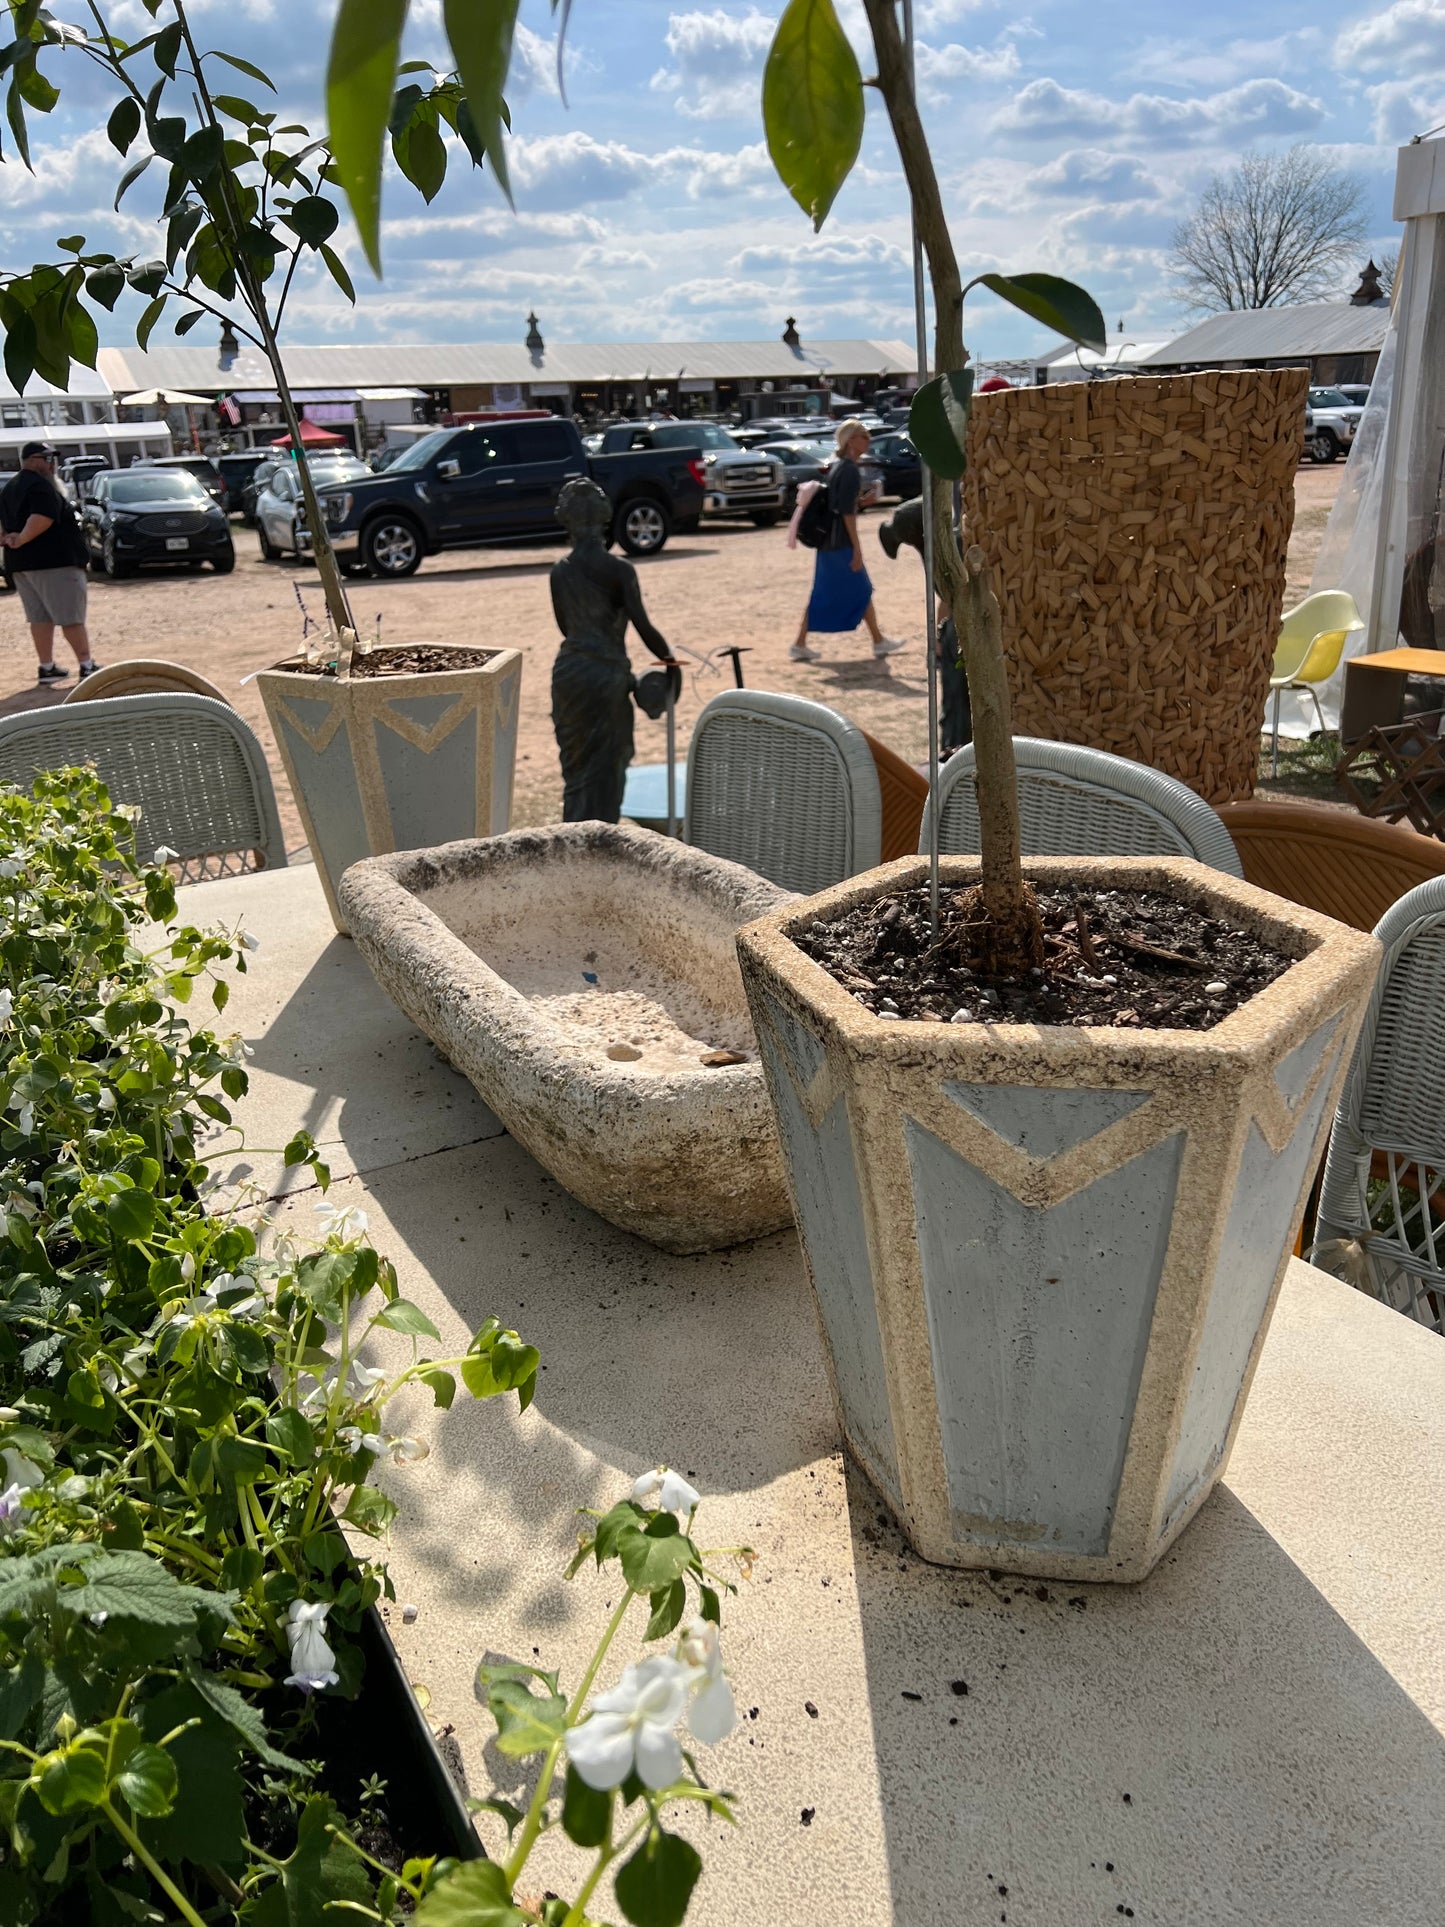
785	786
194	768
1083	802
1389	1132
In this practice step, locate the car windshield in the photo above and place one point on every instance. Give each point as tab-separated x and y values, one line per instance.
324	474
692	435
177	486
421	452
1328	398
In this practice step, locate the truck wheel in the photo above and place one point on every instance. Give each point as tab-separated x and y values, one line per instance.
642	527
764	518
391	547
1324	447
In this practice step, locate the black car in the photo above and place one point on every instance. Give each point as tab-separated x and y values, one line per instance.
77	473
201	466
139	516
805	461
236	470
894	461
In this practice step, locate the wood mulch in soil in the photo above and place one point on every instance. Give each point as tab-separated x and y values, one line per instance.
1130	959
417	659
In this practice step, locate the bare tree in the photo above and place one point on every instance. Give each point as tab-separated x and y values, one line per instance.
1388	266
1276	229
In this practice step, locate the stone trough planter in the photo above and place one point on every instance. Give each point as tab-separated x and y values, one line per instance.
581	976
396	762
1045	1258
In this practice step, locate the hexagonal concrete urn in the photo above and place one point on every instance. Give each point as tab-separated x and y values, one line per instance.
1045	1258
384	763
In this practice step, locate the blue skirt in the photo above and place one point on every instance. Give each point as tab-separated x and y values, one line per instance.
840	593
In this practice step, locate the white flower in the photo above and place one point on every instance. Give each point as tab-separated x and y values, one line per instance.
163	853
26	1114
10	866
188	1267
11	1506
357	1441
713	1715
341	1220
250	942
19	1470
672	1491
98	1619
9	1415
237	1049
313	1664
7	1006
106	1100
363	1378
109	1377
631	1727
407	1451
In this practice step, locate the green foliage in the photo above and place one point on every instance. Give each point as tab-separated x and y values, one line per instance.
938	422
1058	304
654	1887
812	105
476	1895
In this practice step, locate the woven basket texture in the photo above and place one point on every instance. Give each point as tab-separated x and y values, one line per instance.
1137	532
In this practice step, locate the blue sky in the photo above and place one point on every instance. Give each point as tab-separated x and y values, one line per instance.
1069	138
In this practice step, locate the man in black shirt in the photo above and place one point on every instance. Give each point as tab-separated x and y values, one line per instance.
45	555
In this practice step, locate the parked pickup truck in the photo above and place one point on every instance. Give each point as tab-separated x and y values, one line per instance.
735	481
497	482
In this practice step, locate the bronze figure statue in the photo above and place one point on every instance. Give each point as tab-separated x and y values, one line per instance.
904	529
594	597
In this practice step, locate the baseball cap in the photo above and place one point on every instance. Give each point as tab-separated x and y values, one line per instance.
37	448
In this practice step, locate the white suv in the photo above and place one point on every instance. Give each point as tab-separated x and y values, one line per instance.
1330	423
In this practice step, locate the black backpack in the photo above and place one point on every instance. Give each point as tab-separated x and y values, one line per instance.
816	523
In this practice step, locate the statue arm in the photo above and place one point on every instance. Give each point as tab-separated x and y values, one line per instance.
637	615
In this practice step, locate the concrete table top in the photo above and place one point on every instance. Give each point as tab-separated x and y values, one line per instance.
1253	1738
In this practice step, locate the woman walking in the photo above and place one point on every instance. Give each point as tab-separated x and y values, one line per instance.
842	594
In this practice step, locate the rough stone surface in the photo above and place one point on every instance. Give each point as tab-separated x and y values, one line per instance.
1045	1257
583	977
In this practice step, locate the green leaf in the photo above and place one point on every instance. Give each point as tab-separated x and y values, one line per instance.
20	1689
134	1586
370	1511
148	1782
655	1885
289	1432
203	153
625	1515
510	1816
421	154
812	105
401	1315
527	1722
1060	305
653	1559
507	1365
167	49
20	345
339	274
585	1811
72	243
149	319
443	1387
360	79
131	175
131	1215
475	1894
73	1777
481	42
938	422
106	284
667	1607
124	123
241	1460
243	67
207	1822
243	1718
321	1872
314	218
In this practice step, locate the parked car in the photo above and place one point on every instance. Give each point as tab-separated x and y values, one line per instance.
736	481
135	517
77	473
1330	423
201	466
1357	393
893	461
497	482
805	461
273	460
281	511
237	470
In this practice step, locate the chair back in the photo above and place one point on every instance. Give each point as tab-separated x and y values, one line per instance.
1084	802
1326	612
192	767
1343	865
785	786
1382	1203
142	677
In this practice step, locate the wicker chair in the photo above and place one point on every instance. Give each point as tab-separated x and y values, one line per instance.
1381	1221
786	786
194	768
1346	866
142	677
1084	802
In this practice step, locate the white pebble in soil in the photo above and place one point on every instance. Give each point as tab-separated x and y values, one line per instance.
1215	990
962	1017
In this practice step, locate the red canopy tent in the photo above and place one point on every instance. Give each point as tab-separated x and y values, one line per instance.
313	437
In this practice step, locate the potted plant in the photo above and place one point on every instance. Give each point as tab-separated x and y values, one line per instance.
385	747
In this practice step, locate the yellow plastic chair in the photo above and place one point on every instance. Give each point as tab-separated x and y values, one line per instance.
1312	639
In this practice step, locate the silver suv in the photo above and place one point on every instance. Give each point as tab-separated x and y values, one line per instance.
735	481
1330	423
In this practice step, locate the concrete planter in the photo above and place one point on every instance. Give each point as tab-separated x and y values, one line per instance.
580	976
384	763
1045	1259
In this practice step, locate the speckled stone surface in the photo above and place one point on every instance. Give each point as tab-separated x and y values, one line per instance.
584	977
1044	1257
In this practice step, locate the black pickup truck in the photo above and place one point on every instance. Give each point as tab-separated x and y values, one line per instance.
497	482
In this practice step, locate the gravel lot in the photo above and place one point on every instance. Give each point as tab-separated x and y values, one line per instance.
727	584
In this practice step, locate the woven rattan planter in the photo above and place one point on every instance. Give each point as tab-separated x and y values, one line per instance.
387	763
1044	1259
1137	533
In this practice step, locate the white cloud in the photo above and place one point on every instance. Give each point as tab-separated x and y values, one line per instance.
1409	35
937	67
716	62
617	259
1404	108
559	170
870	252
1198	63
1095	174
1046	111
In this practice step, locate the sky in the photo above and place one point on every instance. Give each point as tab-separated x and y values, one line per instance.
1067	138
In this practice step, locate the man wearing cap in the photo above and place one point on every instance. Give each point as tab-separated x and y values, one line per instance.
45	554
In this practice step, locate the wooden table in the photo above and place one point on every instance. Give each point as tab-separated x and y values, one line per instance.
1375	688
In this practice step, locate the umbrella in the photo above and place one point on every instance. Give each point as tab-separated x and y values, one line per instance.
312	437
165	398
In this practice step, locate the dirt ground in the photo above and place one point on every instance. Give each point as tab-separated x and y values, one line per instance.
728	584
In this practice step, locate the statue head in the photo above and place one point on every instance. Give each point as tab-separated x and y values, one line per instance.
583	509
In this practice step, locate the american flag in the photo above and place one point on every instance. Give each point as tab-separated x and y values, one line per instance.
230	410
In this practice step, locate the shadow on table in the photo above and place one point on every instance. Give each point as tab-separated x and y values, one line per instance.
1214	1746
